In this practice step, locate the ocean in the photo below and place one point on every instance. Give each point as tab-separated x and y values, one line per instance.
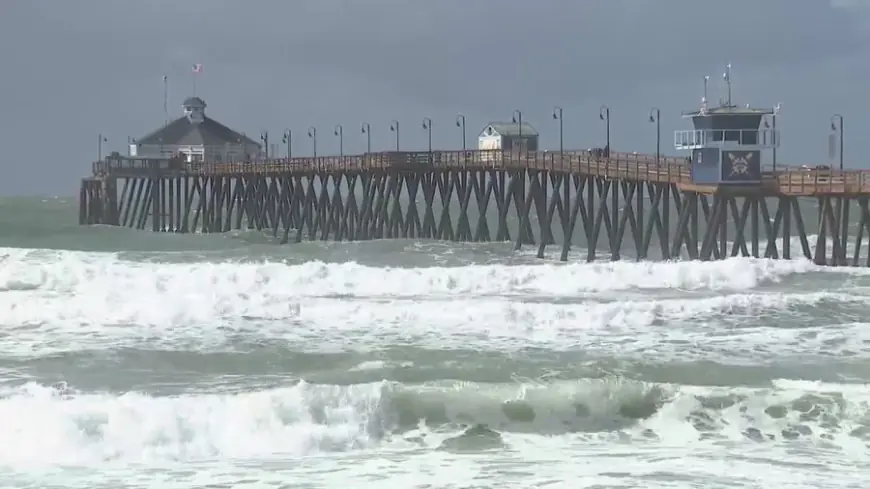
138	360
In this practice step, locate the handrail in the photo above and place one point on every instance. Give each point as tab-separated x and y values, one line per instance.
629	166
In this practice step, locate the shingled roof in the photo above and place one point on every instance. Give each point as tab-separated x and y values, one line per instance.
186	131
182	132
512	128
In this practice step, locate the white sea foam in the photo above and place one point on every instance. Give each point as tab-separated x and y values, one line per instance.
63	301
63	427
54	301
712	326
70	272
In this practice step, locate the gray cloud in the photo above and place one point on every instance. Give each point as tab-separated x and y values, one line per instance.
74	69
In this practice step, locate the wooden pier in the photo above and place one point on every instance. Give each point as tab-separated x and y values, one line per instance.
617	205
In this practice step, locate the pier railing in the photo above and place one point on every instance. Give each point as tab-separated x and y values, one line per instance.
626	166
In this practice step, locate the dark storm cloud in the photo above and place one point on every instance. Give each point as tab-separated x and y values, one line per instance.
74	69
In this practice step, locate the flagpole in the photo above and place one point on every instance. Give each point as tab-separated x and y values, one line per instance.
196	69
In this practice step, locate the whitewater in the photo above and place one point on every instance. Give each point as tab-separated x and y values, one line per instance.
137	360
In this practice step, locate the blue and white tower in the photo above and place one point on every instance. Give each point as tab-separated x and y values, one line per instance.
729	142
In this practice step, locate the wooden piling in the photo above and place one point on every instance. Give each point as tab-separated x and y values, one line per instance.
616	207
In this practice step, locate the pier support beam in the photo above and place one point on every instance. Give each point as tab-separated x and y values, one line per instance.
582	210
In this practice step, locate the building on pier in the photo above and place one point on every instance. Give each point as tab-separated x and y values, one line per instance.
196	137
508	136
727	143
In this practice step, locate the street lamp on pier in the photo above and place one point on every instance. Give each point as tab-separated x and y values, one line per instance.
518	120
427	125
288	140
339	131
460	123
366	129
837	125
773	138
394	127
557	114
100	140
312	133
655	116
604	115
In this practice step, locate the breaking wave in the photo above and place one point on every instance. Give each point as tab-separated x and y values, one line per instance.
57	301
107	276
57	425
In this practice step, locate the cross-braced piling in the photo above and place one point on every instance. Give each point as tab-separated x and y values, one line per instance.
614	206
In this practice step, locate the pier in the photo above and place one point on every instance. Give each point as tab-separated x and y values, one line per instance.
723	200
474	196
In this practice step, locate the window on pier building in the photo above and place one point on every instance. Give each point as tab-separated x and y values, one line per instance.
740	136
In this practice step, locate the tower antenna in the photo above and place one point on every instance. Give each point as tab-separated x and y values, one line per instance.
704	99
727	77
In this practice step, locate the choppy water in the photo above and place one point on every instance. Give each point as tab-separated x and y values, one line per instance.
133	359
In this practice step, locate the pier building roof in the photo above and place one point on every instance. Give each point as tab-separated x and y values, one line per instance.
194	128
728	110
511	129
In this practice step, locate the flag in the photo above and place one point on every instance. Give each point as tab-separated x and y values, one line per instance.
197	68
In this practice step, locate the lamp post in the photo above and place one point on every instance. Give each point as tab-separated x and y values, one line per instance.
100	140
394	127
367	130
775	136
518	120
772	139
339	131
655	116
312	133
264	136
837	125
557	114
460	123
604	115
427	125
288	140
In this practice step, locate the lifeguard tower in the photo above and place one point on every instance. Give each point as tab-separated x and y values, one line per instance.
728	142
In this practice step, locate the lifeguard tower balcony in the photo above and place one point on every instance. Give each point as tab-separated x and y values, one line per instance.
727	127
728	142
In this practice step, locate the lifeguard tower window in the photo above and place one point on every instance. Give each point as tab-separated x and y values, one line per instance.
740	136
730	125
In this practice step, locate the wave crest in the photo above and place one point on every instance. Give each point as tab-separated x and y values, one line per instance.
57	425
101	273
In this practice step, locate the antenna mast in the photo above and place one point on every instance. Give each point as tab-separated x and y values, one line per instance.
704	99
727	77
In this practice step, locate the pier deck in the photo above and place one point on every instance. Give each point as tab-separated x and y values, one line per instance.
648	208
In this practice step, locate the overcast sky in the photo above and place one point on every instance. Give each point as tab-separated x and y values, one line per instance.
74	69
